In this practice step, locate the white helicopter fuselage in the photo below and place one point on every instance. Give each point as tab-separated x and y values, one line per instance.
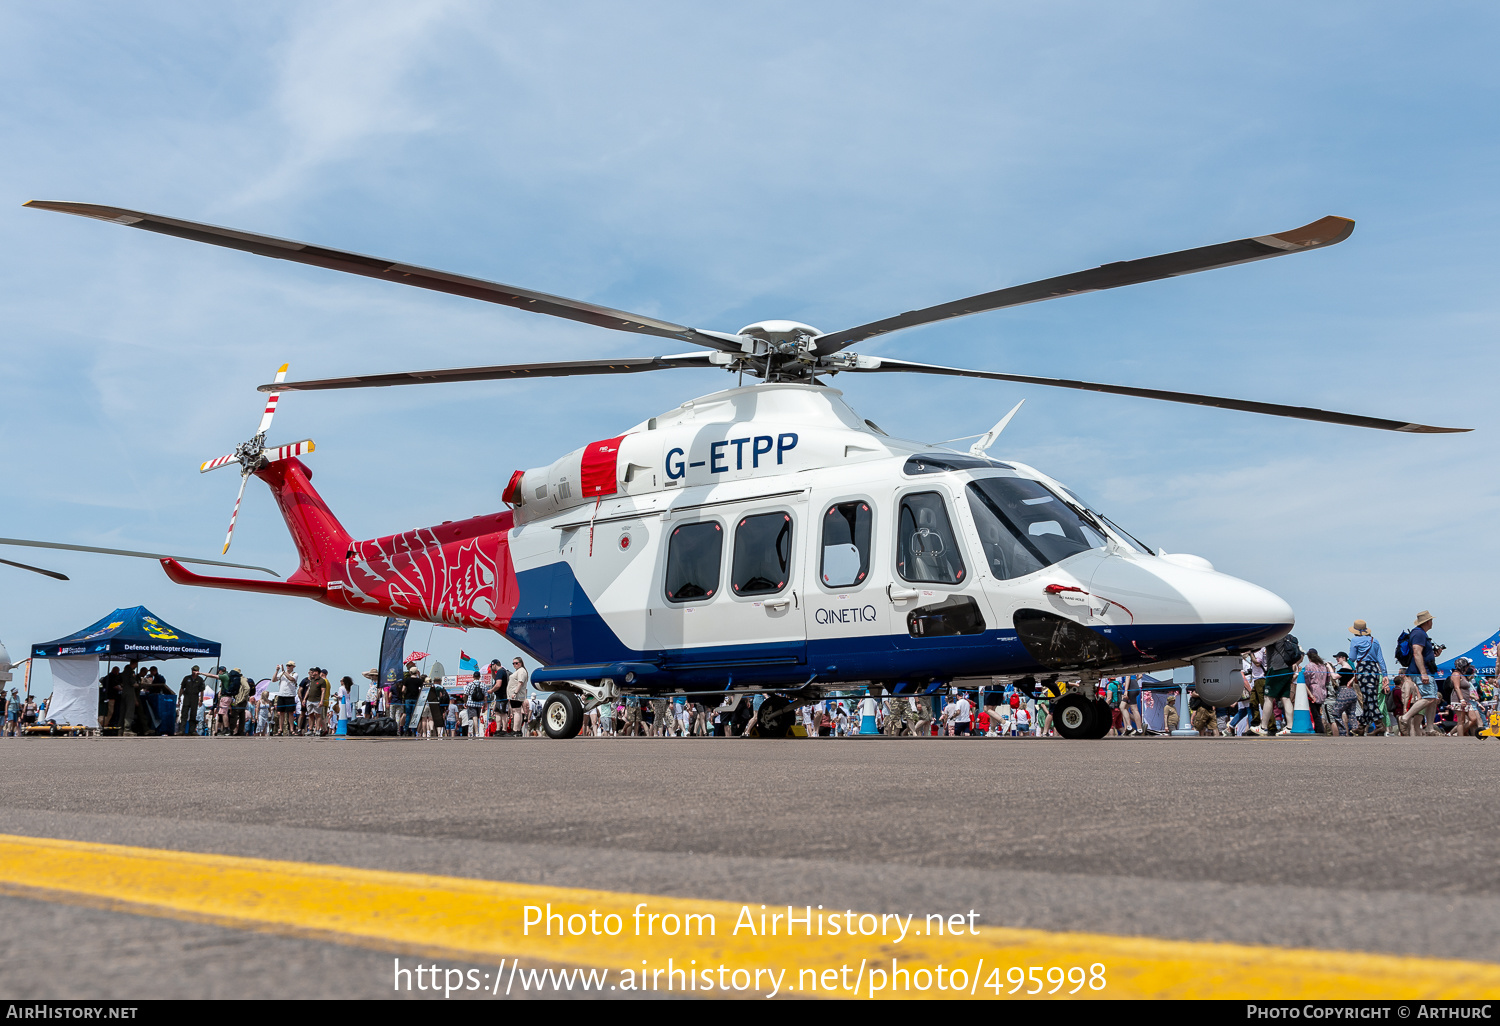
768	536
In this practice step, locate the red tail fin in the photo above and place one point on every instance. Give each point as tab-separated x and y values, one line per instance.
322	543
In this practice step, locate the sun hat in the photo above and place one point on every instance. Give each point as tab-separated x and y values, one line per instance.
1360	627
1423	617
371	674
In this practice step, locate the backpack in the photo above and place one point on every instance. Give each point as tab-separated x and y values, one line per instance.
476	693
1403	649
1291	651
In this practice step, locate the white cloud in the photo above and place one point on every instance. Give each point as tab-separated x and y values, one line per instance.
343	85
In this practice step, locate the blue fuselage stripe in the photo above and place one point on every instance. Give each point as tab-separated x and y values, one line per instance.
558	625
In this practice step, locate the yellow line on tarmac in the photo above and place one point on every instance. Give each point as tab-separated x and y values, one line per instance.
482	920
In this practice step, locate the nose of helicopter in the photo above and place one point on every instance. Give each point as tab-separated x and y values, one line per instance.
1196	607
1220	598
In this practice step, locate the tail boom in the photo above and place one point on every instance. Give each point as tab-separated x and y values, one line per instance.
458	573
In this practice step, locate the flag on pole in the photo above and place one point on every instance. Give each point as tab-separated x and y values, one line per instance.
467	663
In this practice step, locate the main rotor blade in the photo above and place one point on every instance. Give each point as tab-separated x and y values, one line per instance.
1327	231
1246	405
36	570
629	365
128	552
406	274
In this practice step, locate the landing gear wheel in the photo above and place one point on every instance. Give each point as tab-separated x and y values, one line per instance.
1103	719
1074	716
775	717
562	716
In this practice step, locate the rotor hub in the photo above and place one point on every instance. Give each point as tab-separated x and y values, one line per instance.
250	455
781	334
782	350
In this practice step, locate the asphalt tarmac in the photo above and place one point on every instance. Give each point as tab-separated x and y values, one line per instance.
1380	845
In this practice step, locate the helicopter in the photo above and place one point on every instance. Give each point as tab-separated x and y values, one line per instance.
767	539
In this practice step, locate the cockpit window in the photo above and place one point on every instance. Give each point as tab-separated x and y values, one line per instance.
1024	526
1128	539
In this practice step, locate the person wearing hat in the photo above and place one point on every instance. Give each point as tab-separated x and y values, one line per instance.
189	693
1369	671
498	704
372	693
1424	656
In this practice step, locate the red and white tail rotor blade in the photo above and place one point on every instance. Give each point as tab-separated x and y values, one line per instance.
244	478
222	461
265	418
281	452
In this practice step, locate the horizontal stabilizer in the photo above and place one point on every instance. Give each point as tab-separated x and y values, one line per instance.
130	552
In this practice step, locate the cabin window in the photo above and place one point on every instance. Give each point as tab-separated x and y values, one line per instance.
846	545
927	552
693	558
762	554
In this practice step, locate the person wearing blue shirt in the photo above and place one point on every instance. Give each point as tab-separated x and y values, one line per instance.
1424	656
1369	671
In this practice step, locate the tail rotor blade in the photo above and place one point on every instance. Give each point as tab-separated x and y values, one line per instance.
215	464
281	452
235	515
265	418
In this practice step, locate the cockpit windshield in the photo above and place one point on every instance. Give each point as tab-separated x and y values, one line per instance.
1128	539
1024	526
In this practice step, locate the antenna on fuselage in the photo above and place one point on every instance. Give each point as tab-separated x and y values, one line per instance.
987	439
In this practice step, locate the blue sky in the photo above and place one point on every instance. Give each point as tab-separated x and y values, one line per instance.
831	163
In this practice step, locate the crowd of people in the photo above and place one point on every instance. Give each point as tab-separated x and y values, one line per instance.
1351	693
232	703
1355	692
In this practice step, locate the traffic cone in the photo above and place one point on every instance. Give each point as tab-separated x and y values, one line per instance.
1302	710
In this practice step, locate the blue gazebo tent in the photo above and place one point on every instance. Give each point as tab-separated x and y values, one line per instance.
134	633
1481	655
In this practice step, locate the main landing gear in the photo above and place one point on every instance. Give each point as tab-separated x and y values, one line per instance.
562	716
1079	718
775	717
